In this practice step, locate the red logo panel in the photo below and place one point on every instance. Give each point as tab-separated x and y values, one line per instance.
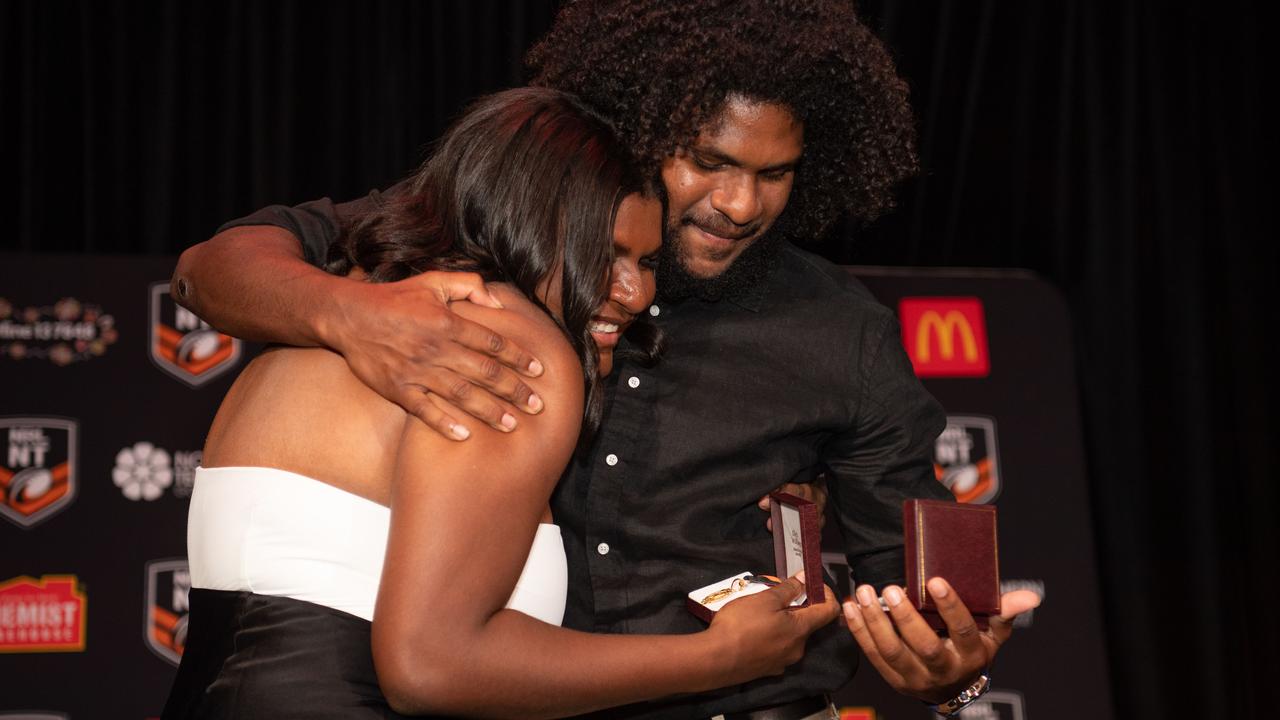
45	615
945	336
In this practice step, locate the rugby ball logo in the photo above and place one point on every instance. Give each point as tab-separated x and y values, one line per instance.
168	589
38	475
965	458
183	345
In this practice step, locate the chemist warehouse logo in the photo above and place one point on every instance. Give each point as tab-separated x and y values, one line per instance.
945	337
168	586
183	345
45	615
38	476
965	458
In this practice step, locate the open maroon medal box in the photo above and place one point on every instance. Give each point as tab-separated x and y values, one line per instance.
958	543
797	545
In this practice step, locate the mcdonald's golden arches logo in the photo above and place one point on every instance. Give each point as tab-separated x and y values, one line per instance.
945	336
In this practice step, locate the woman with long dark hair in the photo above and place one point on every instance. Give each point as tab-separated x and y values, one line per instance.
347	561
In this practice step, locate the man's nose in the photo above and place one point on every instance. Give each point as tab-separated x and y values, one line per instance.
737	198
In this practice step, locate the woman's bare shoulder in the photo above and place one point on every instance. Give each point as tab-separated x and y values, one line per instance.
302	410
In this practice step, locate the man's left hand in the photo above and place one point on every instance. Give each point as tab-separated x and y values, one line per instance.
910	655
815	492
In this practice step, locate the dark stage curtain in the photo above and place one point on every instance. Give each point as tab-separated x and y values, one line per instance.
1118	149
142	126
1115	148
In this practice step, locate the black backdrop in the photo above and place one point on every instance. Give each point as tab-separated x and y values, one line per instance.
1115	148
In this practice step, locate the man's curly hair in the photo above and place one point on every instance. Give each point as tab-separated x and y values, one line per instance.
661	69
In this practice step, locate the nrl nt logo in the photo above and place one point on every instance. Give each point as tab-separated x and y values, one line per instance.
38	476
183	345
168	586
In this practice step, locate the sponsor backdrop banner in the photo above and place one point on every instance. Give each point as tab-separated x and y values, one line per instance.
109	388
994	347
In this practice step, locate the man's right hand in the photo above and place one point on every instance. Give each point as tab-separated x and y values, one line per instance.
402	340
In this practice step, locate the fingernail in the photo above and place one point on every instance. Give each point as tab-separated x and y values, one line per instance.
460	432
938	588
535	402
497	303
800	576
535	367
893	596
851	613
508	422
866	596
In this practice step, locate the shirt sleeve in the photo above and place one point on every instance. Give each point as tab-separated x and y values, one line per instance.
884	457
316	224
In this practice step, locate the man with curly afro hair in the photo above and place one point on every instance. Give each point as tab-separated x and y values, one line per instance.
664	72
766	121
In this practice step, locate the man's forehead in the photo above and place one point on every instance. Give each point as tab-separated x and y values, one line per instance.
747	125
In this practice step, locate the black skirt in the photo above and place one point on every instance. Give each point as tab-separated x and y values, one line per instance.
255	656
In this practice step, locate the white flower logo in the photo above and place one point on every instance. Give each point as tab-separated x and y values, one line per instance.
143	471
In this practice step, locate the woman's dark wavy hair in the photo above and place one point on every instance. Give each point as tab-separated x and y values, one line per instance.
660	69
526	183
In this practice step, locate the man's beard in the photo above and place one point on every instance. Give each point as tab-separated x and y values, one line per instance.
743	275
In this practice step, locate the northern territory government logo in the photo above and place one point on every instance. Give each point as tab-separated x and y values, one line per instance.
38	477
65	332
945	336
42	615
144	471
165	630
183	345
965	458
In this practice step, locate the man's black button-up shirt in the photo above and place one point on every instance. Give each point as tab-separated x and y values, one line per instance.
806	372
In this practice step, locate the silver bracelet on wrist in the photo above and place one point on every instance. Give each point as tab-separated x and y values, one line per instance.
966	697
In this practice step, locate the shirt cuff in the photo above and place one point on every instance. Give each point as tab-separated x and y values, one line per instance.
314	224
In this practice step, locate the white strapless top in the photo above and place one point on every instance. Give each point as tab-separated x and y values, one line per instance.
274	532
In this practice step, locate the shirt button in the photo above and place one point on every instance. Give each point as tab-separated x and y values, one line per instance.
633	382
610	459
603	548
654	311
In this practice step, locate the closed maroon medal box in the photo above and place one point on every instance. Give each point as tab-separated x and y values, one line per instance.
958	543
